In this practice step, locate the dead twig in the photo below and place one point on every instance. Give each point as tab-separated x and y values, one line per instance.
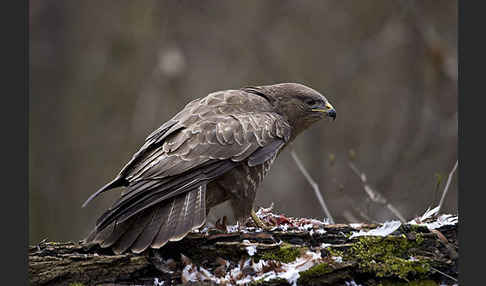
374	195
314	186
446	188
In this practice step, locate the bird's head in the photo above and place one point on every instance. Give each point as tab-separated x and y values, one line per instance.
299	104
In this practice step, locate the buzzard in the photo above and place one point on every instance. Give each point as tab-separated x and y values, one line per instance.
217	148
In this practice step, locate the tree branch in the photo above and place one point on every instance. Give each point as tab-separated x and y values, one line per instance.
313	184
310	251
446	188
374	195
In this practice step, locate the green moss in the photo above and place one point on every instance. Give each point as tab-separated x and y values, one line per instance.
285	253
76	284
335	252
314	272
52	243
262	282
388	257
417	228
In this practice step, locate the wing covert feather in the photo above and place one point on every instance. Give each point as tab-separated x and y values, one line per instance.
232	136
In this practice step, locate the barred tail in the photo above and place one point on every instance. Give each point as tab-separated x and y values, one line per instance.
169	220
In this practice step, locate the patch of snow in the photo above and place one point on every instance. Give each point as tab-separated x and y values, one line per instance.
266	270
355	225
446	219
411	258
233	228
235	271
206	275
337	259
189	273
321	231
244	281
291	275
291	270
317	222
251	249
326	221
158	283
267	276
204	230
306	227
262	211
429	213
288	271
259	266
351	283
300	264
247	263
384	230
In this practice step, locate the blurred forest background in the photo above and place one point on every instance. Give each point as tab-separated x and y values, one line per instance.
104	74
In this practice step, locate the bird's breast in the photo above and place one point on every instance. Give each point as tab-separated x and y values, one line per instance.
241	182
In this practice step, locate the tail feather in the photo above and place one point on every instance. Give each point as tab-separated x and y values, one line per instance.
184	220
146	194
129	237
193	213
169	220
199	208
171	225
168	225
98	236
148	235
118	231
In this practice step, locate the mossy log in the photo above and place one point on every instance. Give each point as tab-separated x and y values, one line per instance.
412	254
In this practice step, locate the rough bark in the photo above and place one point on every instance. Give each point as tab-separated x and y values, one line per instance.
362	259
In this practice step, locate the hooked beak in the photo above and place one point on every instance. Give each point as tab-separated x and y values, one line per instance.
328	110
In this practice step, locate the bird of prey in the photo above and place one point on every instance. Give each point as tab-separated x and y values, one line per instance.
217	148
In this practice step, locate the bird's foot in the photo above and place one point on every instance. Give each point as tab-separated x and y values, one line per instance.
258	221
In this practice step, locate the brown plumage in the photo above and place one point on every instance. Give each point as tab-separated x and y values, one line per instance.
217	148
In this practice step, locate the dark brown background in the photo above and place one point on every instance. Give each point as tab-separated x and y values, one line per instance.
104	74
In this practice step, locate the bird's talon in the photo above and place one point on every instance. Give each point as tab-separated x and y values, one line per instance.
221	223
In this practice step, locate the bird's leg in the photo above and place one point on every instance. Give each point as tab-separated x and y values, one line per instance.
221	223
242	209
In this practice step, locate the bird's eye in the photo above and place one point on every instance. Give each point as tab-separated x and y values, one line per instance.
310	102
